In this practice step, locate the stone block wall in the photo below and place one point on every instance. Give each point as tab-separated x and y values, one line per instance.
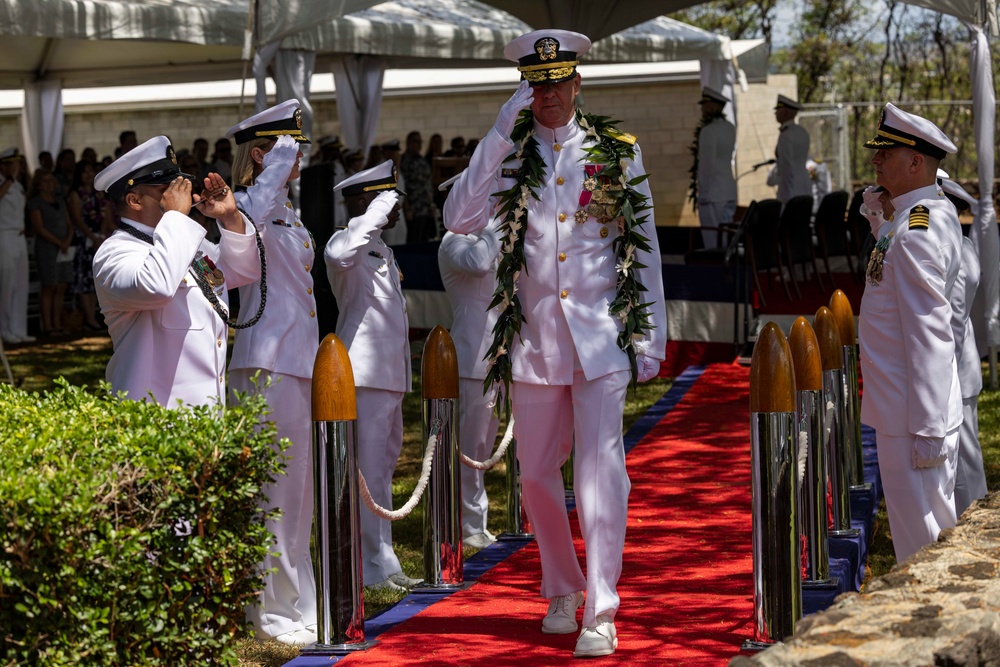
661	114
940	607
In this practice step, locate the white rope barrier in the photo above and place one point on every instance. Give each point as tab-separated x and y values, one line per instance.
418	491
501	450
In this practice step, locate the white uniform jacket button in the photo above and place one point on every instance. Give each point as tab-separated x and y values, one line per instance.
563	294
562	257
562	217
560	180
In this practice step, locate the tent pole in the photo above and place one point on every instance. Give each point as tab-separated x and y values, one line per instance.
248	42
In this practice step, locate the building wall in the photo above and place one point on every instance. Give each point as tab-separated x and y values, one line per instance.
662	115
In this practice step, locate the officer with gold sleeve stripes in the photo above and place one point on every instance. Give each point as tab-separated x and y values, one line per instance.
912	395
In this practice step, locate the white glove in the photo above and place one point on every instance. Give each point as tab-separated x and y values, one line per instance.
520	100
383	204
928	452
872	199
284	150
647	367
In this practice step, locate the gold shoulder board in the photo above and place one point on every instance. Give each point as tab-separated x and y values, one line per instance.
919	217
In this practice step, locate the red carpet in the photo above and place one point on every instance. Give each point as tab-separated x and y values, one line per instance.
686	587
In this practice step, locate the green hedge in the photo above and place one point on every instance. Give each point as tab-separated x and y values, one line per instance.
129	533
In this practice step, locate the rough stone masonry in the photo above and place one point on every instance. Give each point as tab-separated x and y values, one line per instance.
940	607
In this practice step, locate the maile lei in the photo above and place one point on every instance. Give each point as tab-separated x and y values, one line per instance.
693	187
610	151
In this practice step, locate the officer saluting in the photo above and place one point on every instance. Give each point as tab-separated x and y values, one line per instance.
280	344
161	285
791	153
366	280
912	395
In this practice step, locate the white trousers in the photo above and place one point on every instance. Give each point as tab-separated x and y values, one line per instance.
380	439
13	285
970	477
478	434
713	214
288	602
920	501
542	414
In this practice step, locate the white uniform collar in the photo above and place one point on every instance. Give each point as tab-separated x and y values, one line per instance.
559	134
908	200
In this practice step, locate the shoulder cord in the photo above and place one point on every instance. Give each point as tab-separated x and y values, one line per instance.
206	289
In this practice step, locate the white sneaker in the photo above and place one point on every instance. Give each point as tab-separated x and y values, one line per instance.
297	638
479	540
597	640
388	583
27	339
561	617
404	581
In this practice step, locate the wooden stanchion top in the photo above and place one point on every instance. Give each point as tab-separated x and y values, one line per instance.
805	356
334	397
844	315
439	367
828	334
772	380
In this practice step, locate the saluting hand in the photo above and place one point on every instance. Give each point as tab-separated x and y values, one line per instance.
217	201
512	108
177	196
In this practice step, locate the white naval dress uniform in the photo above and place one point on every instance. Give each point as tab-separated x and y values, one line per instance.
567	364
790	173
167	339
909	368
374	328
716	185
970	477
13	264
282	345
468	264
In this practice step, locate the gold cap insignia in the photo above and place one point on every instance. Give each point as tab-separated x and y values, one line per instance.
298	118
547	48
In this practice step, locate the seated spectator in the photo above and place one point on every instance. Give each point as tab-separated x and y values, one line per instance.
222	159
45	160
53	237
89	155
374	157
200	150
470	147
457	148
435	147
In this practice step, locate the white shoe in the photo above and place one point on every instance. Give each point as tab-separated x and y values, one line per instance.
27	339
597	640
561	617
401	579
302	637
388	583
479	540
11	340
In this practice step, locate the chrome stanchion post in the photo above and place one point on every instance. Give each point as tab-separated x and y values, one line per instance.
340	611
777	579
844	316
828	335
518	526
442	500
811	475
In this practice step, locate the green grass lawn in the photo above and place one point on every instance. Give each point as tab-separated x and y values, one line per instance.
82	360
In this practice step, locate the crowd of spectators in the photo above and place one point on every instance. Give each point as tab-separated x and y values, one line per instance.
69	219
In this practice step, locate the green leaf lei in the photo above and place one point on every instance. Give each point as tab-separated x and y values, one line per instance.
614	154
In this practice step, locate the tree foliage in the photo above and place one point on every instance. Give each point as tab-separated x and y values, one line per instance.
862	54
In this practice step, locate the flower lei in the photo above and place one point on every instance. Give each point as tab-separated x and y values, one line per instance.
693	187
610	155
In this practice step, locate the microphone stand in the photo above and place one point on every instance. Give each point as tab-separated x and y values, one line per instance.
735	251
